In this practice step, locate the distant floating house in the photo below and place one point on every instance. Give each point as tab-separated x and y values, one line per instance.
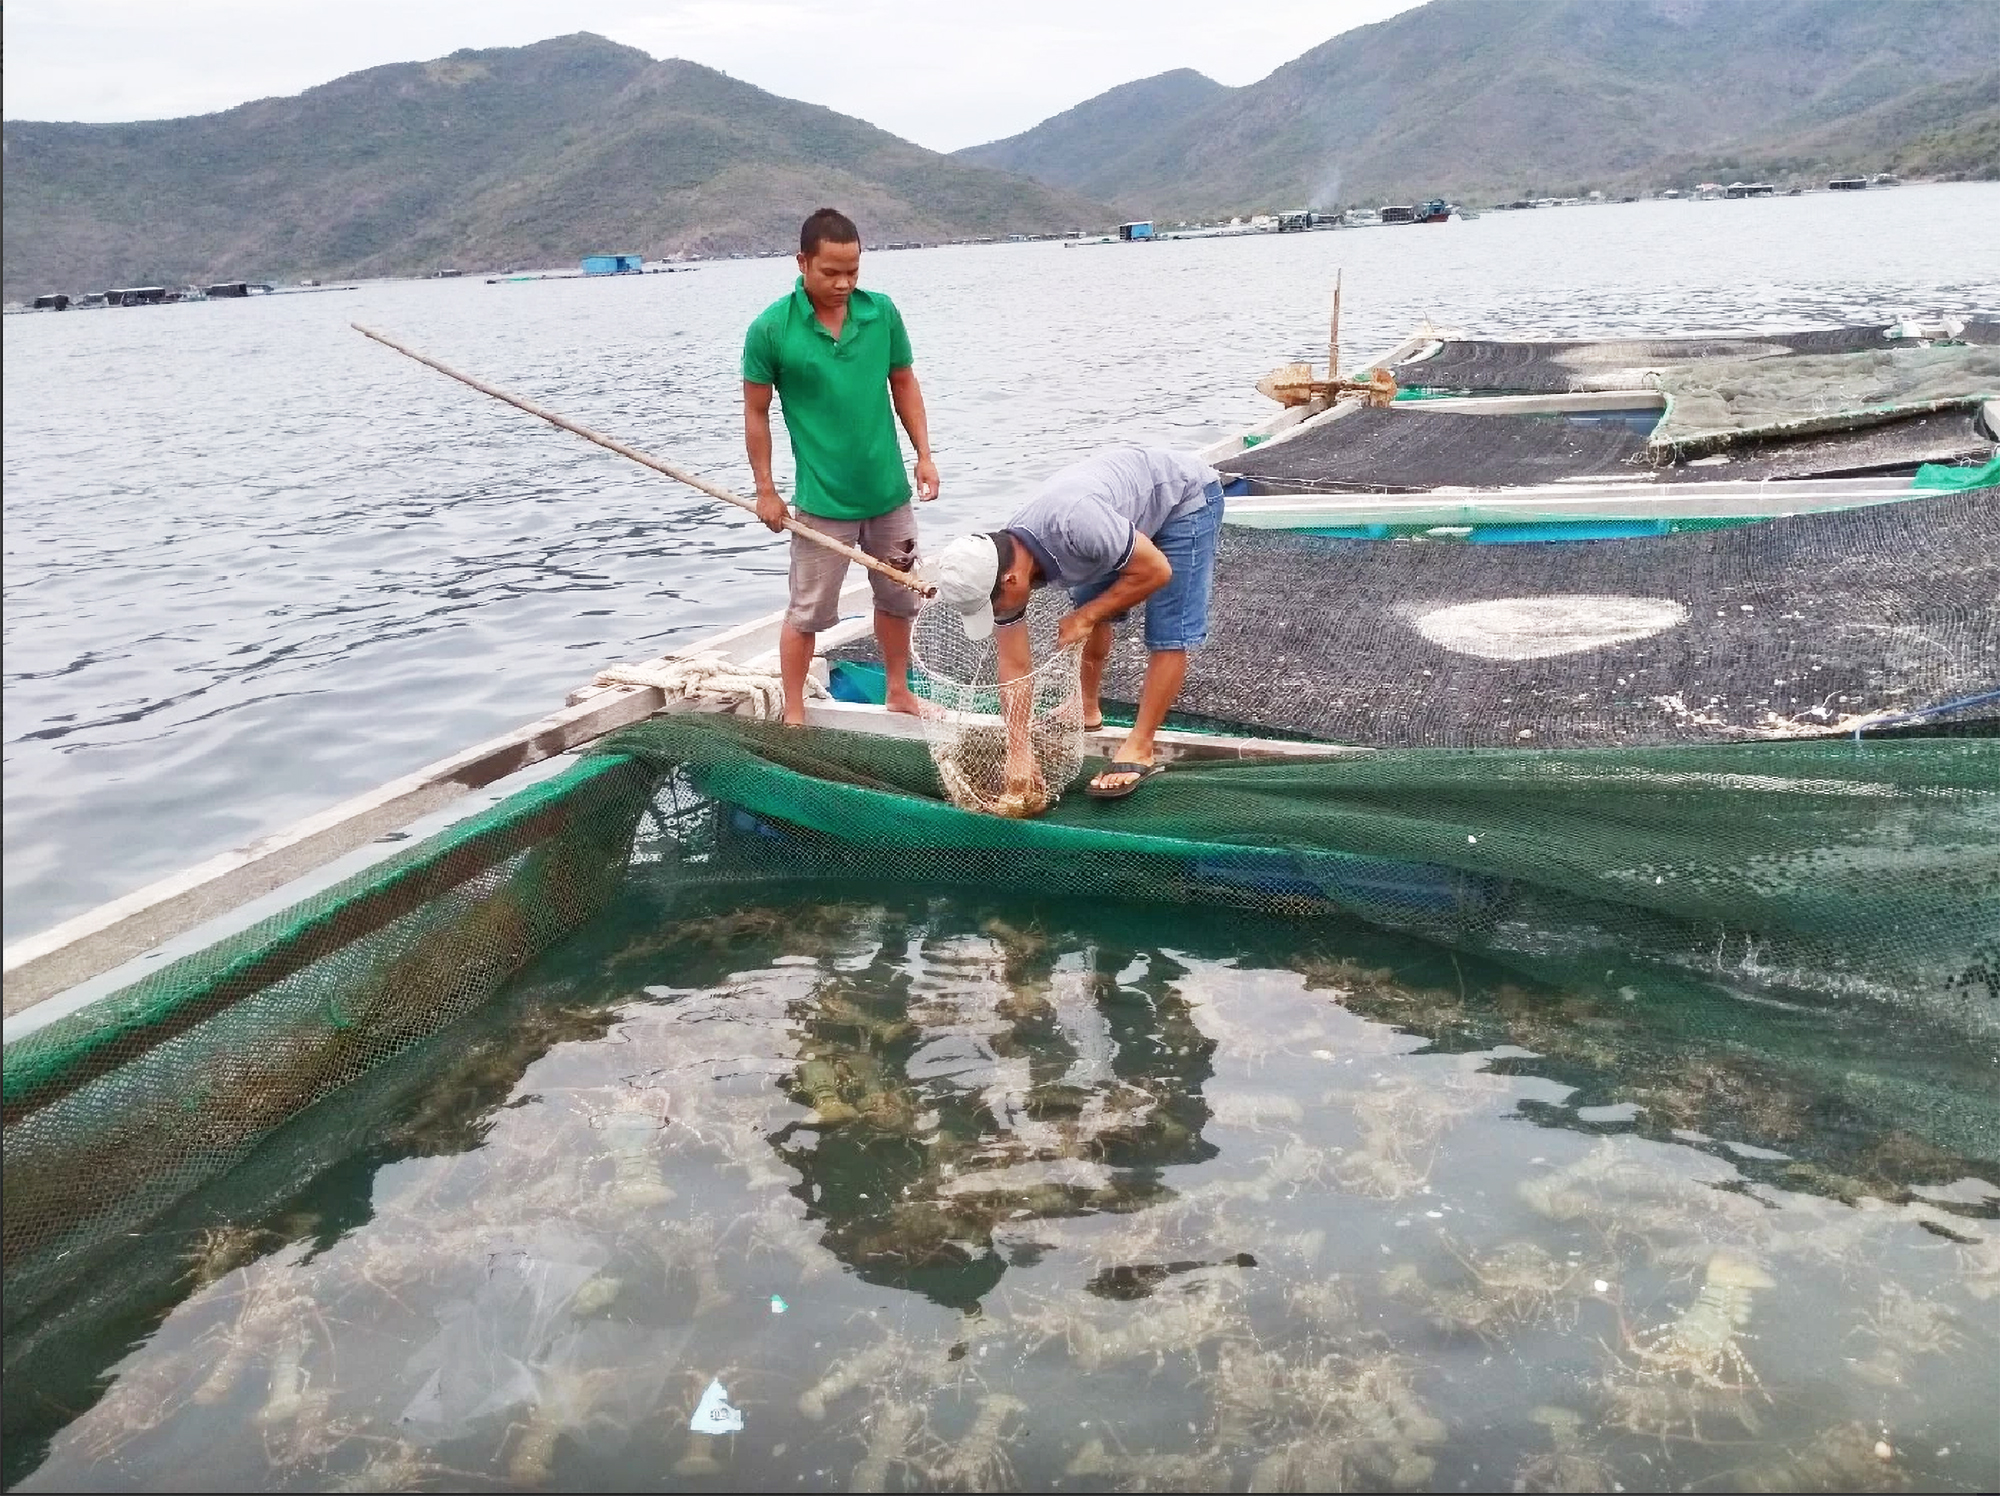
136	296
56	303
1847	184
1400	213
612	264
1131	232
224	290
1749	189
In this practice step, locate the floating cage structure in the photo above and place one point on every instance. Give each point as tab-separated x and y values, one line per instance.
1545	811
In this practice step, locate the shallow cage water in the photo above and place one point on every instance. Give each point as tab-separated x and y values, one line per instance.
981	1193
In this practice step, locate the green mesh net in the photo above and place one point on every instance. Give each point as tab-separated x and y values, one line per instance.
122	1107
1948	479
1831	871
1832	866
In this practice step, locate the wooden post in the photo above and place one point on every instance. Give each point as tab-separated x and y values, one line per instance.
1333	334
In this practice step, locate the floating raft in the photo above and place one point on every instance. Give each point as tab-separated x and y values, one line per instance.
1487	367
1843	403
1417	450
1795	627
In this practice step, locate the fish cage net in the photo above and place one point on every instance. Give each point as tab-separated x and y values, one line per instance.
1791	627
1836	871
117	1110
1006	748
1860	869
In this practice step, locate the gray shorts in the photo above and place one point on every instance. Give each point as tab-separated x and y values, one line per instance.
818	573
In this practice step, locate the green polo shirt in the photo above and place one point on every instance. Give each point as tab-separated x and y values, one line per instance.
835	397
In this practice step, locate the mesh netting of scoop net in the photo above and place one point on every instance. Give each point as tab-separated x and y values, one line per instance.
957	684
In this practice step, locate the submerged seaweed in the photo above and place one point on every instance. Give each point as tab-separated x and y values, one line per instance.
990	1196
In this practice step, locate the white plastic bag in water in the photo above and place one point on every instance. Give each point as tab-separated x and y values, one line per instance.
714	1415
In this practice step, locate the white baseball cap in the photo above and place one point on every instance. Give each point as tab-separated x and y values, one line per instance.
964	574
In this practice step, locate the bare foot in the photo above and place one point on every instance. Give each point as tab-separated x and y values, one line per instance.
904	701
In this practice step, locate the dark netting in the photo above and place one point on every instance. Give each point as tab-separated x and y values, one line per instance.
1802	625
1414	449
1477	366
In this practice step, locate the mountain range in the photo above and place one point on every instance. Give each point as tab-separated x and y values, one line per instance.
536	155
1482	100
514	156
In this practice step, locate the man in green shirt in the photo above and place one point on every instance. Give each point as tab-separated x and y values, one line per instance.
838	359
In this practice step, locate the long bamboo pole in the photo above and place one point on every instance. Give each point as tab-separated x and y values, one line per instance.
681	475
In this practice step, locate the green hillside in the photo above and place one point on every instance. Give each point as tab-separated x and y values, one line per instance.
516	156
1481	100
1091	142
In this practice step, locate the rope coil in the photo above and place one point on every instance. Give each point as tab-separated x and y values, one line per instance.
710	681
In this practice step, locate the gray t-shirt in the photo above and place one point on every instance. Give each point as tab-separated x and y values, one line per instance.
1082	523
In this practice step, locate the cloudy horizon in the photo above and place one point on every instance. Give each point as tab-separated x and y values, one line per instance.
934	75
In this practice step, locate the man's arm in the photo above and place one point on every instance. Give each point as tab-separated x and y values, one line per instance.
908	398
1145	573
757	441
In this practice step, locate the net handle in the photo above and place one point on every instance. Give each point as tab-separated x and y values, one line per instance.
645	460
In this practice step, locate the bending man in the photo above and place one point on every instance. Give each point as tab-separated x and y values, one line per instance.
839	359
1124	526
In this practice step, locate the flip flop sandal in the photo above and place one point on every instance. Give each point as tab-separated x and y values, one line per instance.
1140	774
1097	726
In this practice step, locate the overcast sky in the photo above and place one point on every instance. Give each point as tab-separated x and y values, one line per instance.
944	73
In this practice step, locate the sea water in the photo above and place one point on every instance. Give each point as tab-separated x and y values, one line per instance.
839	1188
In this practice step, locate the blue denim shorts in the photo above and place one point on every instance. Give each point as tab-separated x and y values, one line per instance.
1177	615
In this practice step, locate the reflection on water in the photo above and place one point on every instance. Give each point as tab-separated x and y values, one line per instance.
255	562
970	1196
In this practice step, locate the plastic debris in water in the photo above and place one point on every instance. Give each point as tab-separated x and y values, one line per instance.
778	1305
713	1415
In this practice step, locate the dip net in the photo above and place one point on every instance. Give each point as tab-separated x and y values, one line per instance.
967	710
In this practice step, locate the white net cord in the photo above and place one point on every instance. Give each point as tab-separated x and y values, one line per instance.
712	682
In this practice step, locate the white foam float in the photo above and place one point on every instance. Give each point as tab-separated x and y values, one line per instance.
1534	628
